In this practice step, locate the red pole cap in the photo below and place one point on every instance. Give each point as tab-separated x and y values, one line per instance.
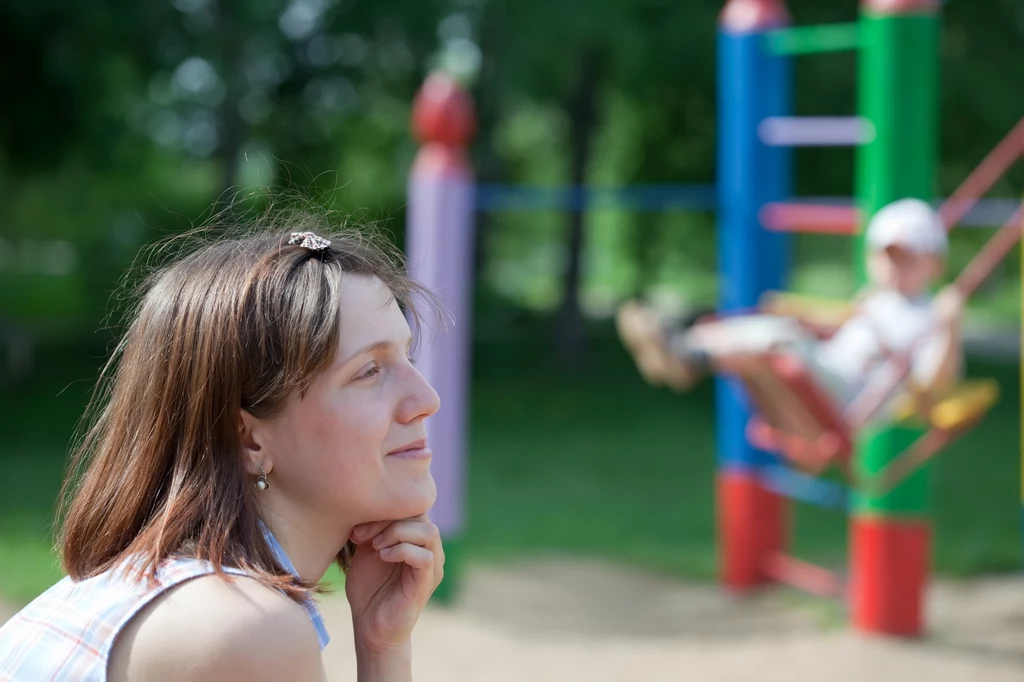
900	6
748	16
443	112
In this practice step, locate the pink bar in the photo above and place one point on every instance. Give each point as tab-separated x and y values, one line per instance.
991	254
893	7
984	176
804	576
810	218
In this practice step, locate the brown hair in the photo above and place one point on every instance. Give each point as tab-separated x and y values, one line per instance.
239	322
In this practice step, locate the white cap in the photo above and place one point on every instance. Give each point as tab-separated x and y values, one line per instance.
911	224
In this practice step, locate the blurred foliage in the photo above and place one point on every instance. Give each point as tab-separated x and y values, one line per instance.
123	121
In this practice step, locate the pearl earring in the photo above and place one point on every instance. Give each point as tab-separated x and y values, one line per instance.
261	482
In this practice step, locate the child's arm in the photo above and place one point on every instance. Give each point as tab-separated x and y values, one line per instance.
948	306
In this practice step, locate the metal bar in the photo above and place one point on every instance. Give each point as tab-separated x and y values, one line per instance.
783	480
804	576
816	131
814	39
499	197
984	176
812	218
494	197
991	254
923	449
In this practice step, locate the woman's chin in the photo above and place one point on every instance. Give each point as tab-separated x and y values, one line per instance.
417	499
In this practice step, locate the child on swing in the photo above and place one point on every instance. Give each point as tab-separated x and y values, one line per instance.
907	244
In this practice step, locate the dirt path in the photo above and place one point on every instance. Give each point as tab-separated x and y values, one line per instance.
560	620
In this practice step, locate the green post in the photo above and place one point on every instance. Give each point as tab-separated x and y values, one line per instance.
898	93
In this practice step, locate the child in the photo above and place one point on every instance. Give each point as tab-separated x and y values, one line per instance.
907	245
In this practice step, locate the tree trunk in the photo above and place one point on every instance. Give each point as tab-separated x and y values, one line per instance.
569	330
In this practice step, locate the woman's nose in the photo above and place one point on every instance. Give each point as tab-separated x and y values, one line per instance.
422	400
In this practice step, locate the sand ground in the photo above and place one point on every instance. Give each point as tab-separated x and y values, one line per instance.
561	620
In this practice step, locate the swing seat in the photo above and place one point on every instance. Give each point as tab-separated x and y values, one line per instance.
957	409
794	416
797	419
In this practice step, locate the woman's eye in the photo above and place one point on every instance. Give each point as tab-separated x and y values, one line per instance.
372	371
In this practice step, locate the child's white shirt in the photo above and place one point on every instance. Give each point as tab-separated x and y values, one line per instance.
886	321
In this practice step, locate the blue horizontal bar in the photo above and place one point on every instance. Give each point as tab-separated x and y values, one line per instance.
630	197
785	481
985	213
692	197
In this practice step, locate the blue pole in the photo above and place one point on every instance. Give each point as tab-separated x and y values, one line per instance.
753	84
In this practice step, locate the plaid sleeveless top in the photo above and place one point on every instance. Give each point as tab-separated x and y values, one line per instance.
66	633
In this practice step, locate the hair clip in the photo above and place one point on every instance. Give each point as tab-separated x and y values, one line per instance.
310	241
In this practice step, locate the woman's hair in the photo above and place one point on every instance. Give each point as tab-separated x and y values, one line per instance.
235	322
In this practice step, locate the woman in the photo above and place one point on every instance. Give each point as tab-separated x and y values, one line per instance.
262	418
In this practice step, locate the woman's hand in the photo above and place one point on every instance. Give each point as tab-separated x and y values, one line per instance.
396	567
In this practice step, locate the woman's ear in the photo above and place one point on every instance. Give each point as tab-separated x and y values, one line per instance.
250	435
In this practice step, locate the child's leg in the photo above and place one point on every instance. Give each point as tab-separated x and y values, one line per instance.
680	355
652	341
760	334
747	335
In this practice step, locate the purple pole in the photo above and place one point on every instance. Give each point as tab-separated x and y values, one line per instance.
439	249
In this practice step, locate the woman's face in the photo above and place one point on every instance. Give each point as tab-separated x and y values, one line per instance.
353	448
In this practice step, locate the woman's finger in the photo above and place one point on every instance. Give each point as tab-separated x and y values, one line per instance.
365	532
406	553
438	564
422	533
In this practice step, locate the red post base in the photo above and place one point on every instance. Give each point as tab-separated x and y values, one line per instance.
889	560
751	529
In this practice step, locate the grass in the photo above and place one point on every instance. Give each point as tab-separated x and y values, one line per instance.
38	422
604	465
596	464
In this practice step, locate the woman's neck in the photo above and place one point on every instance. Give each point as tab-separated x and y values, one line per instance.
311	546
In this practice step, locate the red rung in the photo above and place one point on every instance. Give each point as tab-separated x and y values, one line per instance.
811	457
811	218
804	576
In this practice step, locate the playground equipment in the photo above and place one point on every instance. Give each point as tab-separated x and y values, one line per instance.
439	250
896	138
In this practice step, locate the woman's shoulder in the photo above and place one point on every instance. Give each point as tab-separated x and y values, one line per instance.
211	628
